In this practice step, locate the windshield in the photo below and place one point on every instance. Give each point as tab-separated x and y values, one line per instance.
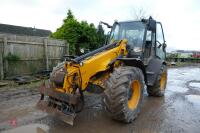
132	31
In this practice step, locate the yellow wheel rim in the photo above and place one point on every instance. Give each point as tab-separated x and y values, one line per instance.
163	81
135	95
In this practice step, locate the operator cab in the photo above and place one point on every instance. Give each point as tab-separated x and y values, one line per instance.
133	31
145	38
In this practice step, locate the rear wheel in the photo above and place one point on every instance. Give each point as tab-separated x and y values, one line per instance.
158	89
124	93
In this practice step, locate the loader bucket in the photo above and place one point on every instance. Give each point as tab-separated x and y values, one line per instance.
67	118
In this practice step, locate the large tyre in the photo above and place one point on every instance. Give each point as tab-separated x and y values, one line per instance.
124	93
158	89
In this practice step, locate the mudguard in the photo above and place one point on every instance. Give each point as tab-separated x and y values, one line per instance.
152	70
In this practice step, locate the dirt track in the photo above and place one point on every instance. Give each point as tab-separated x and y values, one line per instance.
178	111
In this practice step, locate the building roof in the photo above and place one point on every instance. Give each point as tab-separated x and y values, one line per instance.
19	30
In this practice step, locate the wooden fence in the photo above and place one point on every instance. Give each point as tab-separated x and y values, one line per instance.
27	54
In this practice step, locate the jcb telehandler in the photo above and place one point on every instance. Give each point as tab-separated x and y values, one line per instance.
133	60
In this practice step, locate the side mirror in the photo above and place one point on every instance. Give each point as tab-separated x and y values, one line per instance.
101	22
152	24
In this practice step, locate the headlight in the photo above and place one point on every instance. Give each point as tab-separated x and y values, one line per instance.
82	50
137	49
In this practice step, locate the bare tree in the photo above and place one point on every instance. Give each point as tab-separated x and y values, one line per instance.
139	13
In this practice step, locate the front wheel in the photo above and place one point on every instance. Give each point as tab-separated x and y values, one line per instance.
124	93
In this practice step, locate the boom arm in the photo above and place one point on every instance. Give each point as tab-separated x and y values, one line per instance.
80	71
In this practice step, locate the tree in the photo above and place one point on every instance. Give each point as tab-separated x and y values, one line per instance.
79	34
101	35
69	15
139	13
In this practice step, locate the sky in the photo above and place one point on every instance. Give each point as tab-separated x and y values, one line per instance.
180	18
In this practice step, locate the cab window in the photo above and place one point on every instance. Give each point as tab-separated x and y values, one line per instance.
160	50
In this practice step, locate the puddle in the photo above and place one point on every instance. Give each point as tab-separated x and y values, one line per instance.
172	82
192	84
177	89
32	128
194	99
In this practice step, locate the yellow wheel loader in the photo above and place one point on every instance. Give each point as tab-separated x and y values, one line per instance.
133	60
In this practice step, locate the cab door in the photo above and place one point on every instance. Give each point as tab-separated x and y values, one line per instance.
160	42
150	43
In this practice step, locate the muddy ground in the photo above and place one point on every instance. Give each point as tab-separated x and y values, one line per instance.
178	111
